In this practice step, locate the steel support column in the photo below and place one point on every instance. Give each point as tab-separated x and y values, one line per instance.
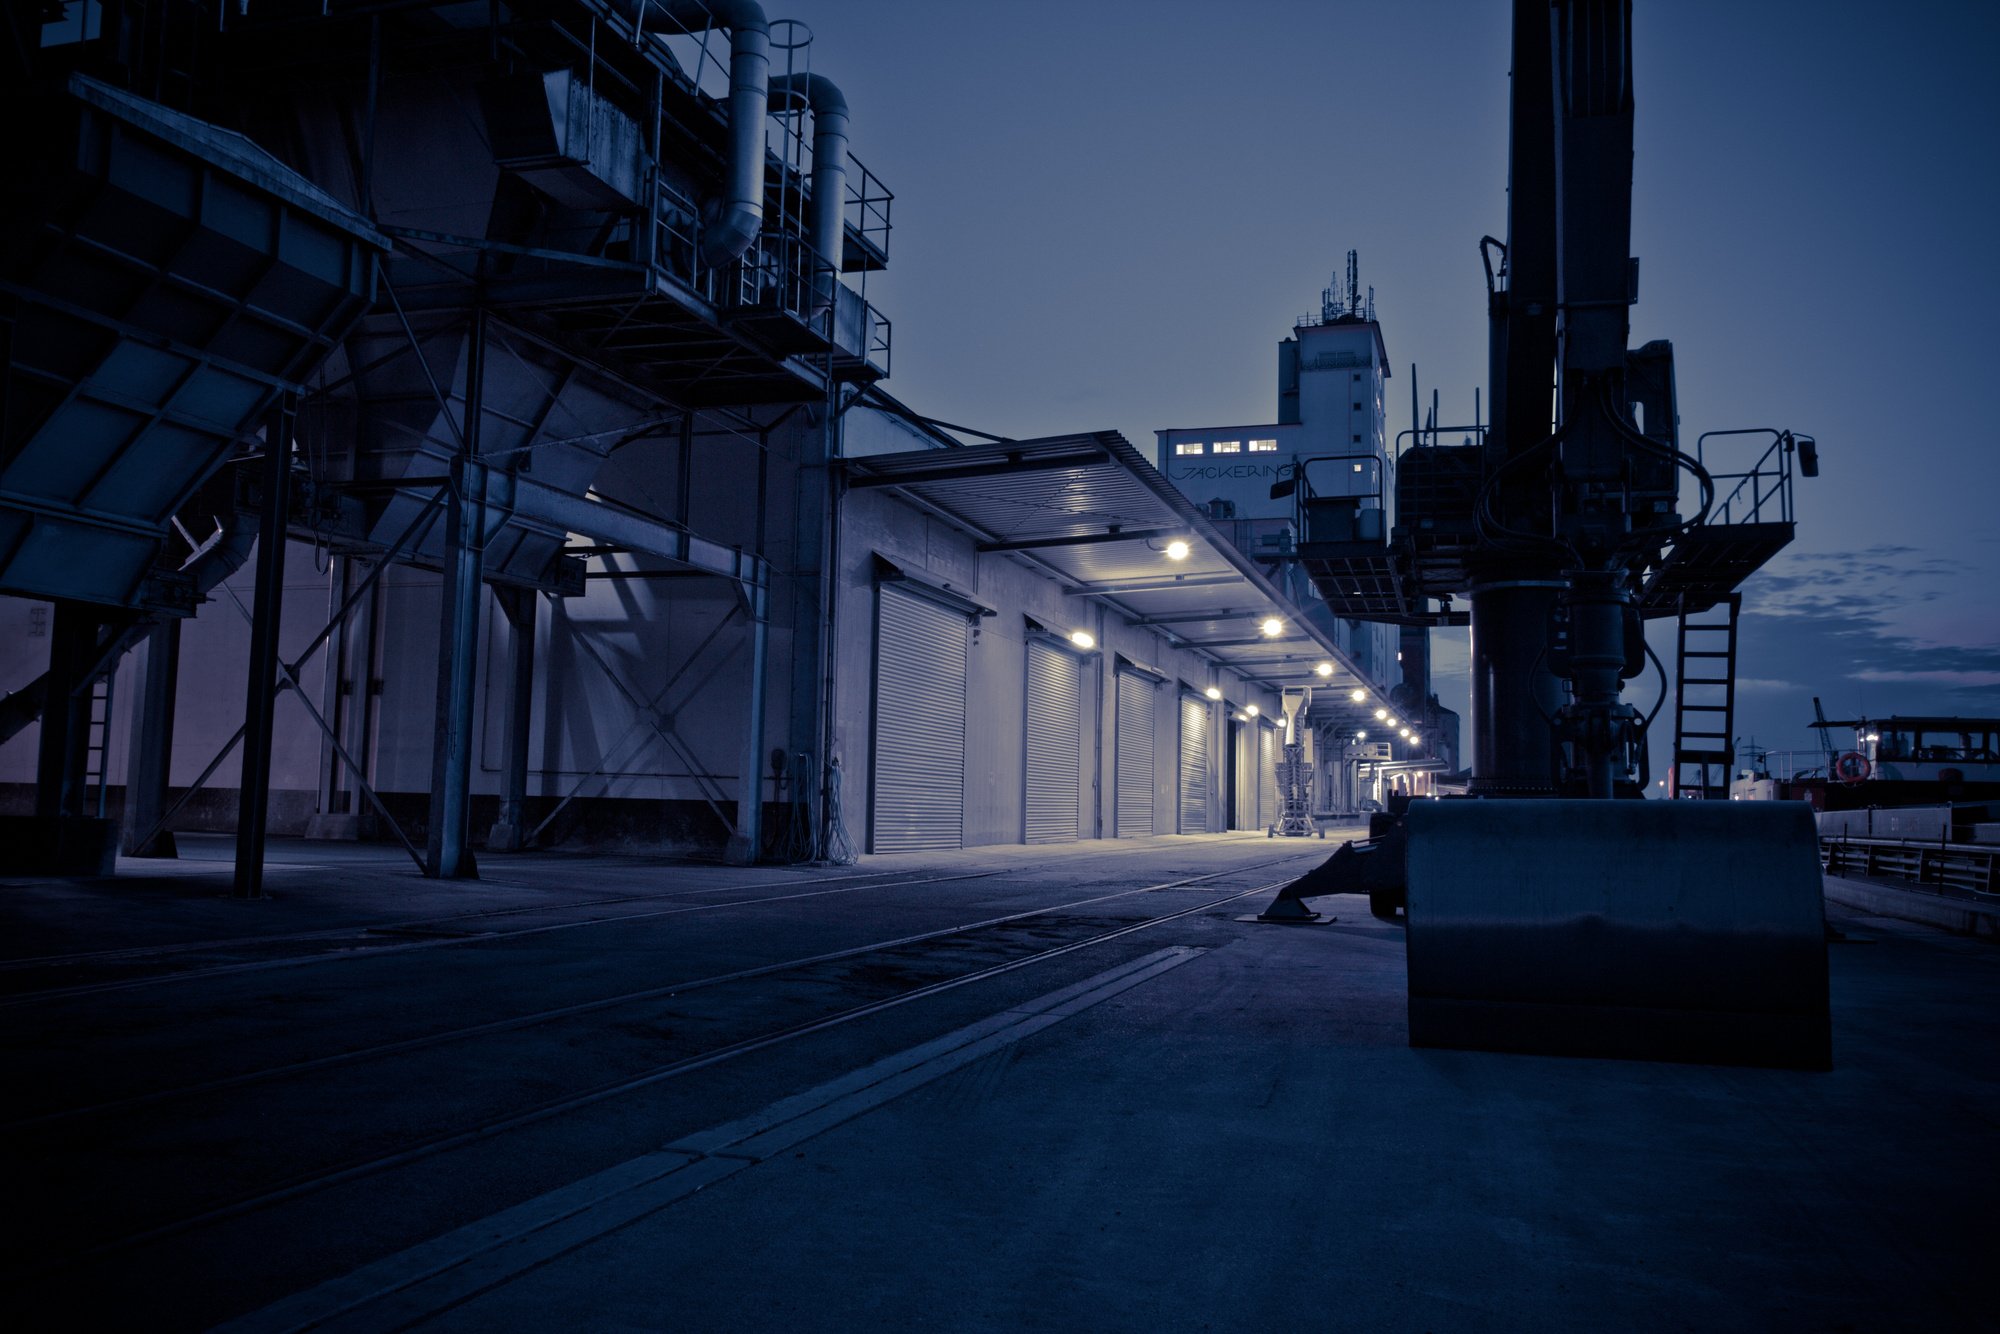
332	694
746	845
521	606
253	802
447	854
65	737
148	769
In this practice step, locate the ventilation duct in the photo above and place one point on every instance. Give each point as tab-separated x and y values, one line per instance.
829	175
737	217
555	133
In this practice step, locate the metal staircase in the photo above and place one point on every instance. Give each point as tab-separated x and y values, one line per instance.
1705	698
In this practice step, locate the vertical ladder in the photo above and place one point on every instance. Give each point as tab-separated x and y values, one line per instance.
1705	700
97	750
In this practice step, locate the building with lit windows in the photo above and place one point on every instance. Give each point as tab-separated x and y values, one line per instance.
1331	434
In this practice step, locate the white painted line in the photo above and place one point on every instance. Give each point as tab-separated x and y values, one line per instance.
438	1274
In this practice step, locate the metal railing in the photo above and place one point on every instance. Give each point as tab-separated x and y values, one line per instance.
1965	867
1790	765
867	207
1766	484
1372	469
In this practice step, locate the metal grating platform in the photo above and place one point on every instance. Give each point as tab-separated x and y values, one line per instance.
1708	564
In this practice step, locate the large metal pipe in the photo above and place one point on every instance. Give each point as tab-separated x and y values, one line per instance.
829	175
739	215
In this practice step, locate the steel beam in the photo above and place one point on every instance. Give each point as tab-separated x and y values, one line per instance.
447	854
152	750
1112	588
65	737
746	844
1004	467
521	607
261	692
1083	539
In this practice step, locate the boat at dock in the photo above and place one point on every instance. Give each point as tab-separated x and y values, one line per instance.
1894	761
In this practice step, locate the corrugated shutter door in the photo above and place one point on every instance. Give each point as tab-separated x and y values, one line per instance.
1194	765
1135	756
919	724
1054	744
1267	774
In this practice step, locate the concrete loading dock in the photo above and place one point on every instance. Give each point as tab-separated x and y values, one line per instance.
1195	1122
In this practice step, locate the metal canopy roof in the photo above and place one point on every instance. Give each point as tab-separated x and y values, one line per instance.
1092	513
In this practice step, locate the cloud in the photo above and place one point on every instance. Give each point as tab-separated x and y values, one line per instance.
1939	676
1876	588
1764	685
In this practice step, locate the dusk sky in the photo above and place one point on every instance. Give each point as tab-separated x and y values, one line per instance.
1109	213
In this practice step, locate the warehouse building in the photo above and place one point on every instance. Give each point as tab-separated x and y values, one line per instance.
467	430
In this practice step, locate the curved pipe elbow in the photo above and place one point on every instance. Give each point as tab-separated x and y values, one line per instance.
739	215
819	93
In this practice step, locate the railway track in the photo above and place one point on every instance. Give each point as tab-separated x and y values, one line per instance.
962	954
404	935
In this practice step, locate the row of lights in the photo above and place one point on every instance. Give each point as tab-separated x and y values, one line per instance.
1271	626
1215	693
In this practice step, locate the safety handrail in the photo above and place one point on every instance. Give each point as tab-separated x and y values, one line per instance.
1768	480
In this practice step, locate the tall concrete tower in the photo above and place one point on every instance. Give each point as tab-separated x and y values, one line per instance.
1331	430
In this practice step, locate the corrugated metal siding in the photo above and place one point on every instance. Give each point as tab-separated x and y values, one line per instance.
1054	745
1267	775
1194	765
919	724
1135	756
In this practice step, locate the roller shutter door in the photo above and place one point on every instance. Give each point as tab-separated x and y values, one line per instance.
1054	745
919	766
1194	765
1135	756
1267	775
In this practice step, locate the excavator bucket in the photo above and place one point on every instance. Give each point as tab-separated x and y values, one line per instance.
1663	930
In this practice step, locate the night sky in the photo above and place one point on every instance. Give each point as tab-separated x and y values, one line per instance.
1109	213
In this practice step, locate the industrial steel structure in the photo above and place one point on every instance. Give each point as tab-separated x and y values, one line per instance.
475	414
1553	917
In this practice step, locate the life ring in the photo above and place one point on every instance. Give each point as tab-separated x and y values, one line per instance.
1852	767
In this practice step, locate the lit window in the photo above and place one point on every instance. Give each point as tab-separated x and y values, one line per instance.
1228	447
1188	447
1263	446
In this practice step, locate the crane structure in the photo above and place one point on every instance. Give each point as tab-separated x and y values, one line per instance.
1544	913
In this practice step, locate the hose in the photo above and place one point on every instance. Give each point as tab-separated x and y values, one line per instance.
838	851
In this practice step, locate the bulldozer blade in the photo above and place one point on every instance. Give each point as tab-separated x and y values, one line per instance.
1655	930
